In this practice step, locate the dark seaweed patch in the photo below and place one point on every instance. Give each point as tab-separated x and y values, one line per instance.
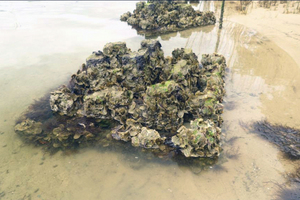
40	111
288	193
286	138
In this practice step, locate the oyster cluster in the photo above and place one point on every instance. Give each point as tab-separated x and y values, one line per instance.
150	98
200	140
166	16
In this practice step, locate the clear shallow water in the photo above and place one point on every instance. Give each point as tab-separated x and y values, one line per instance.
43	43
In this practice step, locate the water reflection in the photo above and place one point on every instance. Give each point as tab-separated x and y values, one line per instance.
138	158
184	34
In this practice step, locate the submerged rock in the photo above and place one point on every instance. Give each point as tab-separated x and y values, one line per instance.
166	16
147	99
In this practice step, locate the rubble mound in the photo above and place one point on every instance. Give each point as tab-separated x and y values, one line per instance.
166	16
140	97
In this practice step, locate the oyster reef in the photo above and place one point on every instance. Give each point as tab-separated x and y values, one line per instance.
165	16
154	102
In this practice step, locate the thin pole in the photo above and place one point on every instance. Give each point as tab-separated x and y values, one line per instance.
222	12
218	41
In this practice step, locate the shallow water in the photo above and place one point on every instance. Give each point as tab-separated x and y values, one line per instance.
43	43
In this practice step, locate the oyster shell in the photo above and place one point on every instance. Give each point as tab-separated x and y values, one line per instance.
29	128
147	138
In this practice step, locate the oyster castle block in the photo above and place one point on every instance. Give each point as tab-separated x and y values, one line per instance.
155	102
165	16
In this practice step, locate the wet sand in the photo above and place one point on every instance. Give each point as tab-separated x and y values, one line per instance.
283	30
52	39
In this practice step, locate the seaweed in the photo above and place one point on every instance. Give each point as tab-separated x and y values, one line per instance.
288	193
286	138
